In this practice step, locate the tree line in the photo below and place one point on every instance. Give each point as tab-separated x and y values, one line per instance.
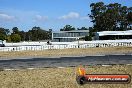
15	35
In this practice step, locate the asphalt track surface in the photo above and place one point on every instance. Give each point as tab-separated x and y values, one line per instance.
65	61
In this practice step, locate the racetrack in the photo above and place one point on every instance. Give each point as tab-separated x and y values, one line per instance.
65	61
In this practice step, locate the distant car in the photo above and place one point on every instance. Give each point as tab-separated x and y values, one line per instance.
2	45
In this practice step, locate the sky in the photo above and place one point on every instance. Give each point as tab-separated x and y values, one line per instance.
48	14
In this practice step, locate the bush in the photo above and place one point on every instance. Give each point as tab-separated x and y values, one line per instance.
8	38
15	38
88	38
2	37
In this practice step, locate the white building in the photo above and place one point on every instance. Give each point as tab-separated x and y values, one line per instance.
69	36
112	35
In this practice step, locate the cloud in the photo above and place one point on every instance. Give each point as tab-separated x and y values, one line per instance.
17	16
85	18
71	15
6	17
41	18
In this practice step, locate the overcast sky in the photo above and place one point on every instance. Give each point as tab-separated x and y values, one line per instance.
54	14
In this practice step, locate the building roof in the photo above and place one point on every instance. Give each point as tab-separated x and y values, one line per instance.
72	31
103	33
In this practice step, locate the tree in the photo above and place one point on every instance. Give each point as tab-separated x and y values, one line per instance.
2	37
97	15
8	38
88	38
129	17
3	33
15	30
82	28
111	17
7	31
15	38
37	34
67	28
23	35
123	18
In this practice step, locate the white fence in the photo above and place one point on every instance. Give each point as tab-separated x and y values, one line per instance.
79	44
35	43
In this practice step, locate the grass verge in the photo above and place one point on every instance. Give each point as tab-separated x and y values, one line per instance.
59	77
67	52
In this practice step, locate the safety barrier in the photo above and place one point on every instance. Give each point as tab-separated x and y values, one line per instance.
47	47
